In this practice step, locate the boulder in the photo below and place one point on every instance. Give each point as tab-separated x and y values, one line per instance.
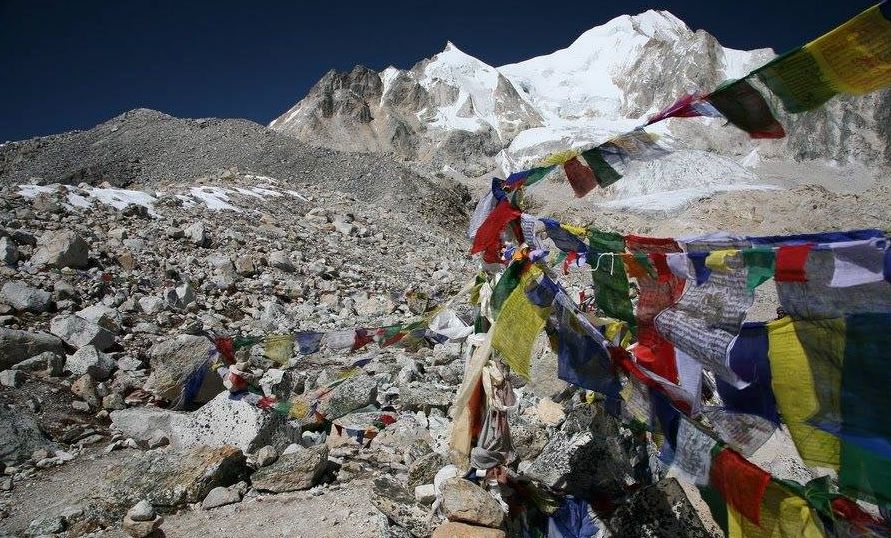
398	504
425	396
662	509
464	501
103	316
20	435
49	362
267	456
401	435
142	511
151	304
352	394
291	472
453	529
173	360
24	298
9	253
424	469
78	332
197	234
218	423
89	360
168	479
61	249
16	346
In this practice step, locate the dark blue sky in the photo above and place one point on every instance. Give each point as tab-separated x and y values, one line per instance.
72	64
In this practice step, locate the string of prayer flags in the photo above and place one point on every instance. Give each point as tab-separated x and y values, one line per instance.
518	325
760	263
527	178
745	107
854	58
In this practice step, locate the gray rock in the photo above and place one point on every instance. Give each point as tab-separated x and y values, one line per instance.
279	260
11	378
662	509
425	396
173	360
168	479
104	316
61	249
46	525
352	394
424	469
20	435
220	496
151	304
266	456
9	253
292	472
142	511
113	402
181	296
198	235
25	298
462	500
16	346
78	332
398	504
244	265
89	360
85	389
218	423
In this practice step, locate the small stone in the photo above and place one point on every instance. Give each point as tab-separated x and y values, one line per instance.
141	529
85	389
62	249
425	493
151	304
46	525
9	253
266	456
78	405
89	360
198	235
113	402
220	496
244	265
462	500
279	260
11	378
550	412
142	511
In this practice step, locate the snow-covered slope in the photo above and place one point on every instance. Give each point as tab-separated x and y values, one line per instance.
454	111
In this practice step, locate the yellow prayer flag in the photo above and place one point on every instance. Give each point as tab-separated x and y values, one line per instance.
717	259
793	386
856	56
518	325
559	157
575	230
783	515
279	347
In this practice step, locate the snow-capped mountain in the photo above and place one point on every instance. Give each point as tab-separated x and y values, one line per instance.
457	111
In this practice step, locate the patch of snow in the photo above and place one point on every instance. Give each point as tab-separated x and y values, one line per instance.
672	201
215	198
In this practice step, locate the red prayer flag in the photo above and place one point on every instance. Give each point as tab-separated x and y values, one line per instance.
790	263
488	236
741	483
580	177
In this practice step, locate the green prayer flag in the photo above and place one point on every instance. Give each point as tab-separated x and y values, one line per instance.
506	284
760	262
613	293
797	80
606	175
537	174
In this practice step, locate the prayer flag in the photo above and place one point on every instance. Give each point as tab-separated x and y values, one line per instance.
857	263
582	358
308	342
518	325
717	259
782	514
687	106
563	238
793	387
741	483
605	174
693	454
749	359
580	177
279	347
679	264
611	282
760	263
790	263
700	267
507	282
488	236
745	108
